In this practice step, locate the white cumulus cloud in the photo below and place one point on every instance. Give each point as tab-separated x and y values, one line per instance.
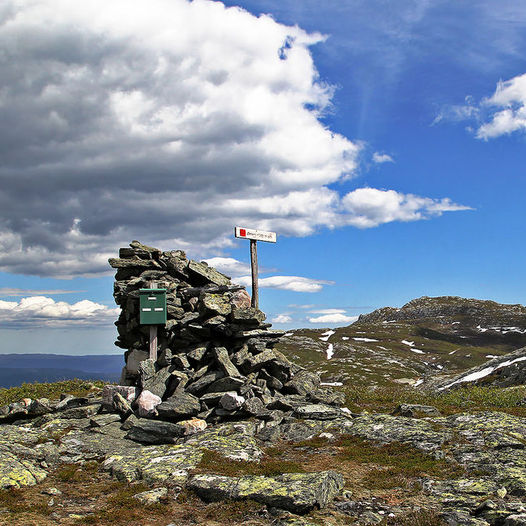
229	266
167	121
333	318
39	311
380	158
370	207
294	283
508	109
281	318
328	311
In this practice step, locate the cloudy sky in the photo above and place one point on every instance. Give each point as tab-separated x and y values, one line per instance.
383	142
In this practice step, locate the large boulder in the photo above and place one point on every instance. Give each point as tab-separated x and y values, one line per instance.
296	492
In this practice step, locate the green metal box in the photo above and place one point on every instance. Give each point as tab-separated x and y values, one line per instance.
152	306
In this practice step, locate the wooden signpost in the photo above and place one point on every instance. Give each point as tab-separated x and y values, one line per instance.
254	236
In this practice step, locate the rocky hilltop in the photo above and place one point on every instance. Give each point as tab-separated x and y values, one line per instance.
222	428
425	338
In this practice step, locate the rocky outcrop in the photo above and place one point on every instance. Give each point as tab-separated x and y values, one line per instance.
216	357
503	371
490	488
444	309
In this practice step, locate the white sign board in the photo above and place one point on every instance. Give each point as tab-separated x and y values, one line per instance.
256	235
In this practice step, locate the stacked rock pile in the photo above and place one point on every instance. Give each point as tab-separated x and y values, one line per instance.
216	357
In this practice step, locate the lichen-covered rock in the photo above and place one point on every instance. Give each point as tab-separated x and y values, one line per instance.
297	492
233	441
207	274
155	432
421	434
518	519
318	412
415	410
17	473
303	383
215	304
179	406
152	496
168	464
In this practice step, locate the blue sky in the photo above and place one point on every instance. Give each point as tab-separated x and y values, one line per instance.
384	144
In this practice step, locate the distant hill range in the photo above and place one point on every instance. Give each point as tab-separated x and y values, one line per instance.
18	368
428	340
428	337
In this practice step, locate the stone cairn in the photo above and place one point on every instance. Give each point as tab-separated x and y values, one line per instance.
216	357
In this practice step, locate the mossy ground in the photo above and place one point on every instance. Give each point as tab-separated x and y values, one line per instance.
472	398
51	390
88	496
390	474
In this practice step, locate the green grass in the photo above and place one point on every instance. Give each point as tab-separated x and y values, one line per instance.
48	390
472	398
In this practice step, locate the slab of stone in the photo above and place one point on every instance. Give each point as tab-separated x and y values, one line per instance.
192	426
215	304
222	358
241	299
232	441
39	407
85	411
179	406
133	263
168	464
249	316
121	405
152	380
17	473
204	382
318	412
148	431
197	352
228	383
207	274
303	383
296	492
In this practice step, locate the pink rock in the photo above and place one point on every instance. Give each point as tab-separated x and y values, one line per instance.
26	401
128	393
241	299
147	402
192	426
231	401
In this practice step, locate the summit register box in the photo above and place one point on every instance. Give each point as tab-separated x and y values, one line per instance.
152	304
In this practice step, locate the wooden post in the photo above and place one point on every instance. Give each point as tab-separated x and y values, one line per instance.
153	342
254	263
153	333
